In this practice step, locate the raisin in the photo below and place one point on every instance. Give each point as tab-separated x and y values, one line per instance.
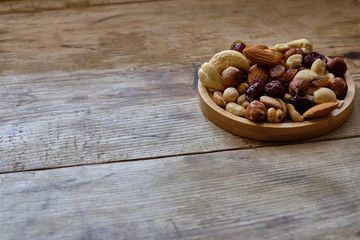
287	76
311	57
301	104
277	70
274	89
255	91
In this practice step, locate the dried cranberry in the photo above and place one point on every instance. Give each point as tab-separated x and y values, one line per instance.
238	47
311	57
255	91
274	89
301	104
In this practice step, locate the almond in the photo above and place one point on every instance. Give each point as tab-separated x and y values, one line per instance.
320	110
263	57
258	72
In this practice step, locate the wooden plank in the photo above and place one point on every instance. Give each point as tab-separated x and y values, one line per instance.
300	191
108	37
83	118
94	85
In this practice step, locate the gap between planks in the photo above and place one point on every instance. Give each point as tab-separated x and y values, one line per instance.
276	144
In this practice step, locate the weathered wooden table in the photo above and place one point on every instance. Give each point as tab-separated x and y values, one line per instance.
101	135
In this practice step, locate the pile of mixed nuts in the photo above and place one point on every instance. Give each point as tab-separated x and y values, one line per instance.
273	83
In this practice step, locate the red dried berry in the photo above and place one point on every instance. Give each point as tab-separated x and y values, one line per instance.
255	91
301	104
274	89
311	57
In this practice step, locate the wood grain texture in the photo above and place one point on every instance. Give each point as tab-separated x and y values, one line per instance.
100	84
284	131
301	191
89	86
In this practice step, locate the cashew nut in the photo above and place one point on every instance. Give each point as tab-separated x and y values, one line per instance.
323	95
227	58
303	43
307	74
319	67
209	77
294	115
294	61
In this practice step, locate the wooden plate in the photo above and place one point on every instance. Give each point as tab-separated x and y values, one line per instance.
285	131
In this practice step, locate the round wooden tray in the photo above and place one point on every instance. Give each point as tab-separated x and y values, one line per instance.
285	131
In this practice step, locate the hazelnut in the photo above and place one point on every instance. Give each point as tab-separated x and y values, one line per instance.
339	86
231	94
231	76
293	51
337	66
299	86
219	99
256	111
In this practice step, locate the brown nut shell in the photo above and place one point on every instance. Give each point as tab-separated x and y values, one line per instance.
339	86
337	66
231	76
256	111
299	86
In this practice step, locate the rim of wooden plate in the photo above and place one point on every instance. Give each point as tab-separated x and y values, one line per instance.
284	131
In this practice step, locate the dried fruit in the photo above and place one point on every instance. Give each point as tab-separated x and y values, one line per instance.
339	86
256	111
311	57
255	91
323	95
337	66
286	76
299	86
263	57
219	99
275	89
277	70
320	110
320	81
257	72
231	76
238	46
301	104
231	94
